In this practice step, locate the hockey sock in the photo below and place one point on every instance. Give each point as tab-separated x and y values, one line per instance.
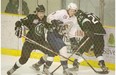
48	64
101	63
17	65
76	63
42	61
64	64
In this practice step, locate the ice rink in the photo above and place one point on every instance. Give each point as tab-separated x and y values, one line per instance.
8	61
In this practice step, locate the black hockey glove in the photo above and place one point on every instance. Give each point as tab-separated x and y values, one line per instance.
18	32
18	29
55	23
18	24
74	43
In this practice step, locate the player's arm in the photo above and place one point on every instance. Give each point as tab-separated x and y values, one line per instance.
56	23
54	16
22	22
27	21
87	28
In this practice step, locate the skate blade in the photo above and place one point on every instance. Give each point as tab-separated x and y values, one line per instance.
34	68
73	73
42	73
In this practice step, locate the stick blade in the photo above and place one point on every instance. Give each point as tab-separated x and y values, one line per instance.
102	72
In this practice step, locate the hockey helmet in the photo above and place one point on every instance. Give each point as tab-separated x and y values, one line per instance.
80	12
72	6
40	8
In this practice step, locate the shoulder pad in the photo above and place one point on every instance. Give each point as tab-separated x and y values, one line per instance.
31	15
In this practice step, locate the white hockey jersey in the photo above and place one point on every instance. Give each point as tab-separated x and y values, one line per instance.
63	16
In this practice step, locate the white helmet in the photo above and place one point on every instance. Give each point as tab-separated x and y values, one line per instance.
72	6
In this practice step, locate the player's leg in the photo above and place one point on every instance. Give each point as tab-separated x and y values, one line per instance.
56	42
49	59
47	65
46	60
43	59
83	49
64	62
37	65
26	50
98	51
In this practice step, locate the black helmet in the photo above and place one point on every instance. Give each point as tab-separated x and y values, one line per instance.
80	12
40	8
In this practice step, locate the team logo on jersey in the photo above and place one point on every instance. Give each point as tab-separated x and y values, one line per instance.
65	17
39	29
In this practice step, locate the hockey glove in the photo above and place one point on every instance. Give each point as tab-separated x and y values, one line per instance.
74	44
18	31
18	24
56	22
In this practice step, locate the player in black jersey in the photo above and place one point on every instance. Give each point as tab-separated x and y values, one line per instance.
36	23
92	27
59	21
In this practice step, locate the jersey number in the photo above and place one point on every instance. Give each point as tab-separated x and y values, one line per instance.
93	19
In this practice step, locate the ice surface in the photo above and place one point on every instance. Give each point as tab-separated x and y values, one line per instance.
8	61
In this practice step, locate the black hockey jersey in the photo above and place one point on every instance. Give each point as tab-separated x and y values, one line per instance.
90	22
36	27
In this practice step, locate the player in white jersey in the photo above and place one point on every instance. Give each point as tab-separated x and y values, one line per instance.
61	22
69	21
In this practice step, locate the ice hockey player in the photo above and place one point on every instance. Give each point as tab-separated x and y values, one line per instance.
92	27
36	23
61	20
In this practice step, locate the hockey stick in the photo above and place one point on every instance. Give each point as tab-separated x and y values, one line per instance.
32	41
99	72
72	54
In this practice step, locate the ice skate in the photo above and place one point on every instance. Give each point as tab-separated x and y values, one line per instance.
74	68
46	70
36	67
11	71
103	67
67	72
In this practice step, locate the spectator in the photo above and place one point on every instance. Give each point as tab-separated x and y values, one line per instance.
25	9
13	6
